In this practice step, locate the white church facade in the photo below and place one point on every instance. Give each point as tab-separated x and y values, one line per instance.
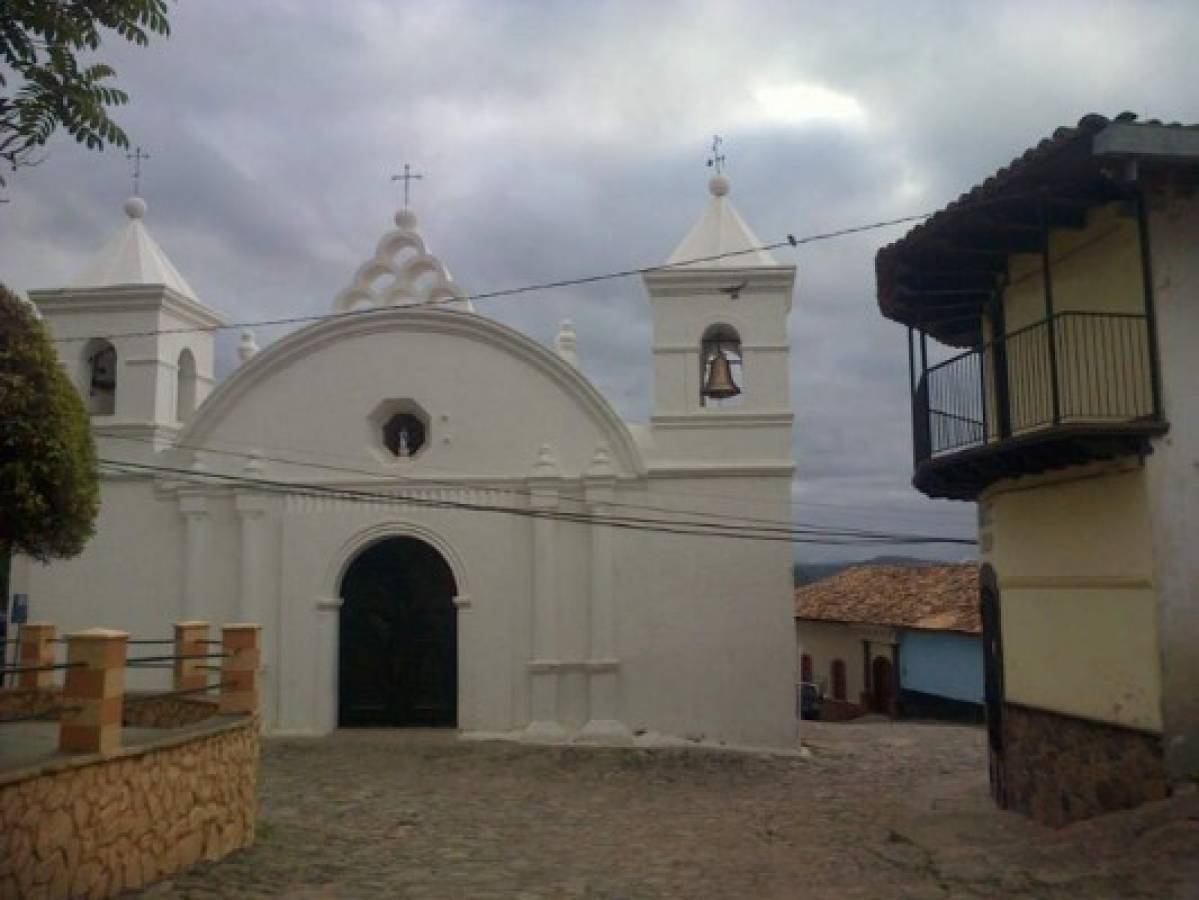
436	519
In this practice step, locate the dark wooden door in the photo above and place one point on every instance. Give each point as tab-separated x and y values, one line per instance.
993	691
883	683
398	654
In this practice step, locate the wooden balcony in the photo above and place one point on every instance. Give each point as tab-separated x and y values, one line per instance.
1072	388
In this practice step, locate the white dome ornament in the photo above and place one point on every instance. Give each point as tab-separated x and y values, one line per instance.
403	272
135	207
567	342
247	346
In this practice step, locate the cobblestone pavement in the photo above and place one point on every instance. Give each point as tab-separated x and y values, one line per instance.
877	810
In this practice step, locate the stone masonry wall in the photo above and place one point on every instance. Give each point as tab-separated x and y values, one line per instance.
157	711
28	701
1059	769
93	826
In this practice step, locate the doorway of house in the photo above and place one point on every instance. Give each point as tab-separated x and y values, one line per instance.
993	689
882	681
398	643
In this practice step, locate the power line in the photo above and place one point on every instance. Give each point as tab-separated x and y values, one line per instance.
640	524
703	517
245	451
789	241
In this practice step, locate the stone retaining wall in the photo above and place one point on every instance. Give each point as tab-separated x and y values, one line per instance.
93	826
1059	769
156	711
15	702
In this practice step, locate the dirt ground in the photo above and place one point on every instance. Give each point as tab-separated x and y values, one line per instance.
877	810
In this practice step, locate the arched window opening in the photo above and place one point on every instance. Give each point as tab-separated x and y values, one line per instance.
100	377
838	679
720	366
185	386
805	667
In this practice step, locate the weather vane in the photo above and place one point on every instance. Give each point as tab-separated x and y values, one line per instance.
137	156
717	159
408	177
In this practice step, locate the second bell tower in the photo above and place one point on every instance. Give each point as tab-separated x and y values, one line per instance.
721	352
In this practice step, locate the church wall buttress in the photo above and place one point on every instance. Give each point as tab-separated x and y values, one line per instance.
194	509
543	668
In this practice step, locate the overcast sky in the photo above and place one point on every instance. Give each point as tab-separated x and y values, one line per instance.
566	139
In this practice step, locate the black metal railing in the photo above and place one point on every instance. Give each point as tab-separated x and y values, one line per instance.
1069	369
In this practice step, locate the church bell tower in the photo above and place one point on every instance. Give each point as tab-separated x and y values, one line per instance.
134	338
721	375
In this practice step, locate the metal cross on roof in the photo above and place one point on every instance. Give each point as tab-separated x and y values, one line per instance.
408	177
716	160
137	156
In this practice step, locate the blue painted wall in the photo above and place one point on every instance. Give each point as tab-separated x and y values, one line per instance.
942	663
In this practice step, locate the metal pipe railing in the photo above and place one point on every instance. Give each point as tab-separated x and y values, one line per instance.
1073	367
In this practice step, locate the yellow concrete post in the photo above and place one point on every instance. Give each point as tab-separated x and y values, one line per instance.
36	648
95	687
239	668
191	640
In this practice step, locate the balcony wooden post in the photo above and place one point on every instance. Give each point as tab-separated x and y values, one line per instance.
1049	320
1003	408
1150	306
912	397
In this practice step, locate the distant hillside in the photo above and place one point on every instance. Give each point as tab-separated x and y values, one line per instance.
806	573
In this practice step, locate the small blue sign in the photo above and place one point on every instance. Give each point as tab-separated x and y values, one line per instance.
19	613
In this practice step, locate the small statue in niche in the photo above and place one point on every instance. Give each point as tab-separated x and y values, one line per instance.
404	434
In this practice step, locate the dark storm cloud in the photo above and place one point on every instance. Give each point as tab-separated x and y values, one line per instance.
563	139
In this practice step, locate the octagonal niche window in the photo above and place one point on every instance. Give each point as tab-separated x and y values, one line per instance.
404	435
399	429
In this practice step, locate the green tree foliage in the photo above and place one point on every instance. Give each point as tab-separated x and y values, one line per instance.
48	487
42	42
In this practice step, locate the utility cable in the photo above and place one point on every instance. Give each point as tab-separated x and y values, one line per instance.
789	241
642	524
705	517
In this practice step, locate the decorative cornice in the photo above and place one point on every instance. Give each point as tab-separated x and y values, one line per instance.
691	469
125	298
732	418
745	348
682	282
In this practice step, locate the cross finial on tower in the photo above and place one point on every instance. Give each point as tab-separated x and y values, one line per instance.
407	177
137	156
716	160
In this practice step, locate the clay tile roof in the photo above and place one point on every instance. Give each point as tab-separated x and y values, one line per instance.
1026	163
1066	163
932	597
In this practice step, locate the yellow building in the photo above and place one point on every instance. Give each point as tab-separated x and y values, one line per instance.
1061	297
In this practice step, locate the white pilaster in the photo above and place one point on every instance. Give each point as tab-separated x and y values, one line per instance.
193	506
603	724
254	602
544	493
328	624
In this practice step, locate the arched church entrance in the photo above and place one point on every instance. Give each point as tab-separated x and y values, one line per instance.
398	645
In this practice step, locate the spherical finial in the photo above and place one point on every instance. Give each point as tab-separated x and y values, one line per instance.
718	185
406	219
135	207
247	347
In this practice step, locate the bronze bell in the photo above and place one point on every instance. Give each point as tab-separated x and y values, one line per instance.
719	384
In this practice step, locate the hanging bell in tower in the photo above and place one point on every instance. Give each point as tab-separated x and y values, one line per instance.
719	384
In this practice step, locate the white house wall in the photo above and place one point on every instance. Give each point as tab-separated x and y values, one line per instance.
1172	473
